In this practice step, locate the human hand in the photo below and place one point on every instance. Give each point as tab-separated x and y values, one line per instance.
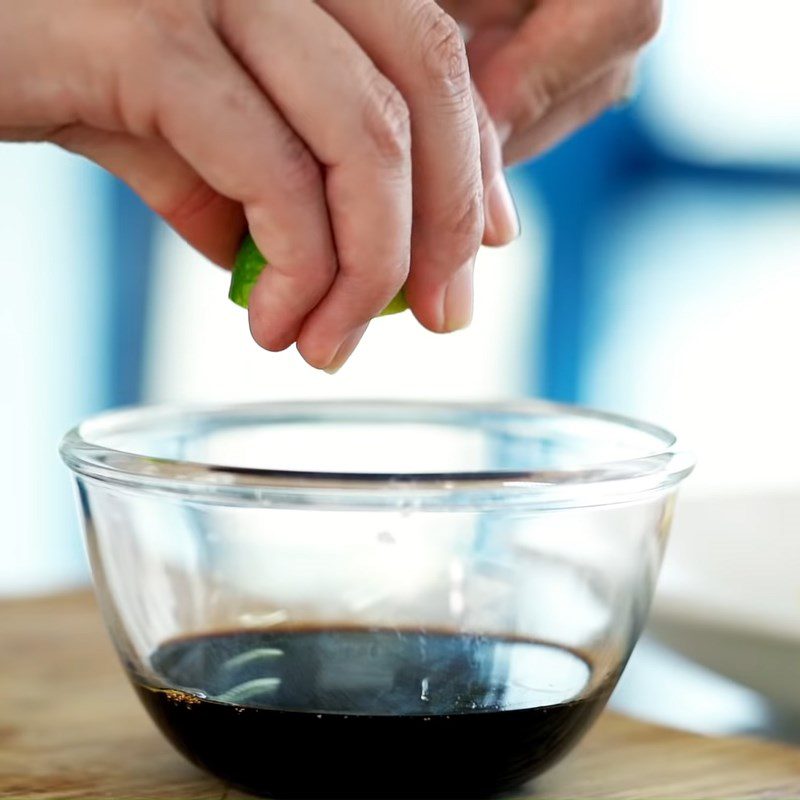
546	67
293	118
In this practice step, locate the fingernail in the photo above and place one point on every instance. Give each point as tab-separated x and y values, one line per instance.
502	220
345	350
458	300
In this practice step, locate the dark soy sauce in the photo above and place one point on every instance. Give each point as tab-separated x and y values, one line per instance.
371	713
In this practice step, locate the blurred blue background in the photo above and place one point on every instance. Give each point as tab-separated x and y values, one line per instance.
658	275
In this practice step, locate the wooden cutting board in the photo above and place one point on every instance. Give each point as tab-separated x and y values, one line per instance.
70	727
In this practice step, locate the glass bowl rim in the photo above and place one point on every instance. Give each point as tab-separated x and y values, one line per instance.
584	485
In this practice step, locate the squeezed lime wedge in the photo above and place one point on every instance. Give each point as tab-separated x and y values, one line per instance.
246	269
248	266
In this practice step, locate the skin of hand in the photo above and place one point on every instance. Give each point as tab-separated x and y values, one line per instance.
292	117
544	68
297	118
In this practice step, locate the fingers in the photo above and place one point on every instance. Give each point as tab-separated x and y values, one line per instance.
420	49
211	223
560	48
229	132
605	91
356	124
501	224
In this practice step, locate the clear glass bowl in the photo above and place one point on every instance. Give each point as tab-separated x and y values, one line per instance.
370	598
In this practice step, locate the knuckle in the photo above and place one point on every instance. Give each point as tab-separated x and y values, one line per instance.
387	121
465	227
173	29
646	20
300	171
167	42
236	99
444	54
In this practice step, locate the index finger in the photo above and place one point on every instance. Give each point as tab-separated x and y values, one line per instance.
560	47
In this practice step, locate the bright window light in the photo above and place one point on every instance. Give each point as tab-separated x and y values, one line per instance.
722	82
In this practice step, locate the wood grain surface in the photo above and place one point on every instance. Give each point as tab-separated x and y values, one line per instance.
70	727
